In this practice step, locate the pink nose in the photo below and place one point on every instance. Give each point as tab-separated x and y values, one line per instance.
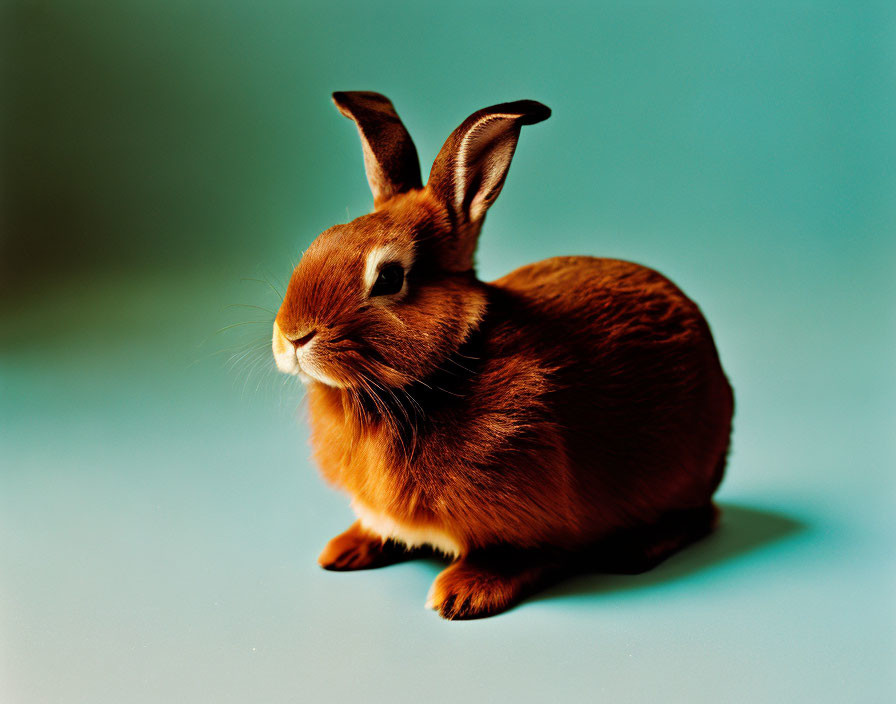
304	339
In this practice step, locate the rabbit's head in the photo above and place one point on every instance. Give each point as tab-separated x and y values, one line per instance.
383	300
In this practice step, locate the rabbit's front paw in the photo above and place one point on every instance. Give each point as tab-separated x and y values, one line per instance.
359	549
468	590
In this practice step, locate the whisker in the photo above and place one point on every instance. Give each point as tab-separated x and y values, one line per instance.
410	377
238	357
264	281
266	273
225	350
255	368
384	409
415	429
466	369
248	322
247	305
414	402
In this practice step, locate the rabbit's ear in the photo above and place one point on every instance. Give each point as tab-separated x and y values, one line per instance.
390	158
470	169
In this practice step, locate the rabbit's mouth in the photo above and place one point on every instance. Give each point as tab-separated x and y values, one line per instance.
299	360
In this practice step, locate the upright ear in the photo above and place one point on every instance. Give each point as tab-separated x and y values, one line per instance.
390	158
469	171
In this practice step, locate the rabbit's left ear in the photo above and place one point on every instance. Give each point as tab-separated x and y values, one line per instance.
390	158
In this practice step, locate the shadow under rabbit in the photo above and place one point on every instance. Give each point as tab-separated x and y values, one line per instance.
741	530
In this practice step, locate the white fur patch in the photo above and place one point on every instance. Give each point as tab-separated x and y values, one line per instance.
413	536
385	254
284	352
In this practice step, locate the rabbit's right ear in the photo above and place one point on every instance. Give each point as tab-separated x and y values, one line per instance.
390	158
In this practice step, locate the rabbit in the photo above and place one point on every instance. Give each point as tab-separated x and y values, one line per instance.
572	415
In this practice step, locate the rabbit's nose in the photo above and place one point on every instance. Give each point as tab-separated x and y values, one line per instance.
304	339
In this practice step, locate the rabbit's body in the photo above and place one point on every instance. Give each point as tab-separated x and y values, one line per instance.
559	423
573	413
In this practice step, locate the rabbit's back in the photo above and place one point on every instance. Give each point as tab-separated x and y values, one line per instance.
636	384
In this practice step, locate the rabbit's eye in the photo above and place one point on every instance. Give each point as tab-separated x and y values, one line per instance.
389	281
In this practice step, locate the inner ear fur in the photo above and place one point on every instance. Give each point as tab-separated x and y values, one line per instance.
471	167
390	157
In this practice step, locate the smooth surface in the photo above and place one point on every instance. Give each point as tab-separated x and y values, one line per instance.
159	516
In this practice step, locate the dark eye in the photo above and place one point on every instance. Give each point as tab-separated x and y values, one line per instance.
389	281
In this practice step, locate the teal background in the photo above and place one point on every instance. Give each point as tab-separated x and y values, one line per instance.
165	163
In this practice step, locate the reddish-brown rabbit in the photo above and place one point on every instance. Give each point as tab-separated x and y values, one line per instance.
571	414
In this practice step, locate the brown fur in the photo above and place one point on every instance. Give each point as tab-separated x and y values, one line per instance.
573	411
